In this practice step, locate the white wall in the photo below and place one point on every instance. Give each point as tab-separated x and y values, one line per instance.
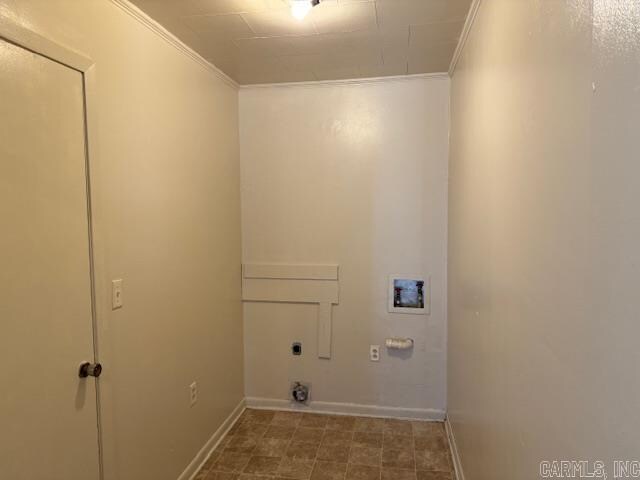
353	174
544	233
166	198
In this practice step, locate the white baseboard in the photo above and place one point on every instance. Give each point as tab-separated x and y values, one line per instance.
348	409
457	464
194	467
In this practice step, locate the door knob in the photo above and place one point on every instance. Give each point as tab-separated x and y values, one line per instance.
90	370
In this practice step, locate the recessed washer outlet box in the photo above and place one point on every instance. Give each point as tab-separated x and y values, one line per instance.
300	392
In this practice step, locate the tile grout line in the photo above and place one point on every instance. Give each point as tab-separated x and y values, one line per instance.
296	427
381	450
346	471
413	439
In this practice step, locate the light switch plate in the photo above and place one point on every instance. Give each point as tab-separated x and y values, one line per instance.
116	294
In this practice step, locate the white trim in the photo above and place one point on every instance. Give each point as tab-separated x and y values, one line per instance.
457	464
290	290
292	272
15	33
445	242
170	38
347	409
349	81
205	452
466	30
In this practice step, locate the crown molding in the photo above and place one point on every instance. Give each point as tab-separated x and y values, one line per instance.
350	81
170	38
466	30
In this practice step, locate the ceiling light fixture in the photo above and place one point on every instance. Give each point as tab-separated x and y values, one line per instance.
300	8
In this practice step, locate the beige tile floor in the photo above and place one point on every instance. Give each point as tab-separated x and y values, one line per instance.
275	445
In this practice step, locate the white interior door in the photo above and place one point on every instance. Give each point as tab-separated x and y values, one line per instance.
48	415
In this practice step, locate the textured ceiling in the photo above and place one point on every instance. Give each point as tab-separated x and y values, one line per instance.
259	41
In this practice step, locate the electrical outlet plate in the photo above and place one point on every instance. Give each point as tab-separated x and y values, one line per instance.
374	353
193	394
